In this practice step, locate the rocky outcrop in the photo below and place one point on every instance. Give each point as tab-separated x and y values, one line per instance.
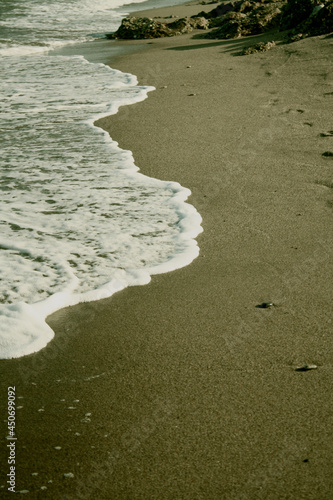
138	28
246	18
249	17
188	24
221	10
296	12
238	18
321	22
315	18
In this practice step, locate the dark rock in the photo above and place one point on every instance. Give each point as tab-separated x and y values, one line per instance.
321	20
258	47
246	6
240	18
231	25
265	305
220	10
307	18
295	38
264	18
248	18
294	12
141	28
306	368
144	27
326	134
188	24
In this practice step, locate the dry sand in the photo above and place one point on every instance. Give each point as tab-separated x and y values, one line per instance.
183	389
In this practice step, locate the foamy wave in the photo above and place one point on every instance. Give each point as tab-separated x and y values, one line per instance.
79	222
17	50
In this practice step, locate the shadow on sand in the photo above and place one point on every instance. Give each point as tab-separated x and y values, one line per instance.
235	46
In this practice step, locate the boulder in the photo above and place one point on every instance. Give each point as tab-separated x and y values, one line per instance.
221	9
188	24
321	20
248	18
238	18
318	20
138	28
295	12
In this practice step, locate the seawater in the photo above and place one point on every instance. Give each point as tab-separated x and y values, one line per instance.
78	221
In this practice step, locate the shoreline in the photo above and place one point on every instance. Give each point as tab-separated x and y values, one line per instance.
182	388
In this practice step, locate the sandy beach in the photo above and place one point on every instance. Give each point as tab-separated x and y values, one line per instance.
183	388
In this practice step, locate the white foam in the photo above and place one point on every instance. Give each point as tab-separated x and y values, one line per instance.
79	222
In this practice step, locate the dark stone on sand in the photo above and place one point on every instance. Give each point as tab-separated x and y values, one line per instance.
322	21
328	154
186	25
295	12
221	9
258	47
296	38
239	18
138	28
247	18
326	134
306	368
307	18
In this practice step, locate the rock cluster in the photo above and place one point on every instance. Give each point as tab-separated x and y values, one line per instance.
244	17
145	27
249	17
239	18
295	12
307	18
258	47
140	27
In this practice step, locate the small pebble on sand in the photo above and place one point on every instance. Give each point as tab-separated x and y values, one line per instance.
265	305
306	368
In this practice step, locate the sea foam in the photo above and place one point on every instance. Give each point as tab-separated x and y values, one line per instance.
79	222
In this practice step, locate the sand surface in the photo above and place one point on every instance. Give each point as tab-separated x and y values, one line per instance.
183	388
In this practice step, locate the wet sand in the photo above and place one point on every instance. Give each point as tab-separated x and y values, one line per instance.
183	388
